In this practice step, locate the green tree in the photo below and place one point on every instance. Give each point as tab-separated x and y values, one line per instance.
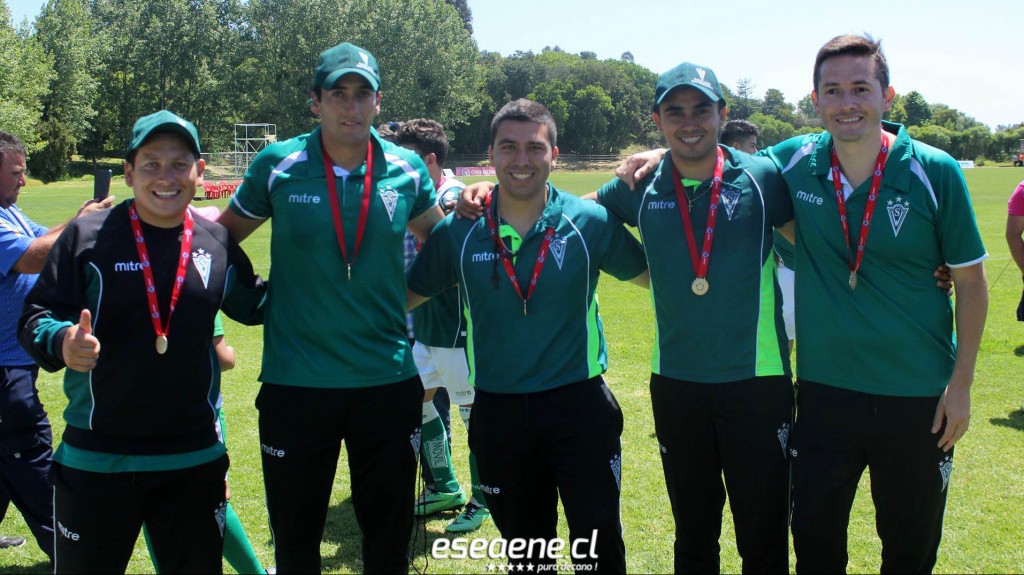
523	72
805	107
464	12
772	129
180	55
632	93
932	135
473	137
775	105
897	113
555	94
25	72
65	30
973	142
951	118
1005	141
283	40
426	70
588	121
744	104
50	162
918	112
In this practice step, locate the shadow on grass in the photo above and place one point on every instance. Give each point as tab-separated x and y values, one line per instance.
1019	352
40	567
1013	420
423	539
342	529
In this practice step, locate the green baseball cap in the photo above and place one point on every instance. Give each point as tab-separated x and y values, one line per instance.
345	59
687	74
165	121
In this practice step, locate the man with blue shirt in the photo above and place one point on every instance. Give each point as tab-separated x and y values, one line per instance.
25	436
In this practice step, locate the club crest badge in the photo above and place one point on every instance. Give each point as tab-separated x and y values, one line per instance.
390	198
558	249
220	514
616	465
783	433
414	440
898	211
731	198
945	470
202	260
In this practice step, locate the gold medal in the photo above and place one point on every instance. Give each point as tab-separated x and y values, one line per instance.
700	286
853	280
161	344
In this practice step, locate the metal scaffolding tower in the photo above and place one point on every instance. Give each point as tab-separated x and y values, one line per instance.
249	140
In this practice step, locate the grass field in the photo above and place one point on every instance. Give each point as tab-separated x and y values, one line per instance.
982	534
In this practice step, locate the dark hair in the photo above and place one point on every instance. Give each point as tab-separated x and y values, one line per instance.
719	105
319	90
10	143
427	136
388	131
735	130
853	45
130	156
523	110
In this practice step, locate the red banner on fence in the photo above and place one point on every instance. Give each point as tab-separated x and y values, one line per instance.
474	171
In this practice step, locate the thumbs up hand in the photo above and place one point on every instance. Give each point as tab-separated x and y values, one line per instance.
81	349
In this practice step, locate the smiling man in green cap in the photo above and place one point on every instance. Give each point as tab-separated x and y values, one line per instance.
720	381
337	364
145	279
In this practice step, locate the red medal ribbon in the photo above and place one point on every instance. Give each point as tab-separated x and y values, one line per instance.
700	268
364	208
506	255
869	208
147	272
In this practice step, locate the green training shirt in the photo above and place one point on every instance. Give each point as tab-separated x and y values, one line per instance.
893	334
784	249
439	321
559	340
321	329
735	331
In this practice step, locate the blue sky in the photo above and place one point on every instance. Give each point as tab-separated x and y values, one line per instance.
968	55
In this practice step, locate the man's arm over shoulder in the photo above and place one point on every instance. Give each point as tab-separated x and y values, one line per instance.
54	304
34	255
434	269
421	225
245	293
622	255
240	227
777	201
251	205
621	201
425	212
